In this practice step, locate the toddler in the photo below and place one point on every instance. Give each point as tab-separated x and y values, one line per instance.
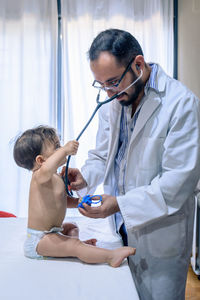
39	150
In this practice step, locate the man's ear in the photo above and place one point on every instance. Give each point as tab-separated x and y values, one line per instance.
39	160
139	62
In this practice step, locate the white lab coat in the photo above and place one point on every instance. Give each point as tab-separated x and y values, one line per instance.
163	167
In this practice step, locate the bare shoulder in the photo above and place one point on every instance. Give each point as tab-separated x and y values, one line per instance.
39	177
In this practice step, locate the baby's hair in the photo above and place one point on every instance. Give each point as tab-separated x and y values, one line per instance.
29	144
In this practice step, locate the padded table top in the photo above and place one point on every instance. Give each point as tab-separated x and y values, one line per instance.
22	278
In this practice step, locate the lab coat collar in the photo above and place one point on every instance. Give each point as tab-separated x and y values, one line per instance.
151	103
147	109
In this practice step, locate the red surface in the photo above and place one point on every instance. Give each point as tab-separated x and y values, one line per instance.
4	214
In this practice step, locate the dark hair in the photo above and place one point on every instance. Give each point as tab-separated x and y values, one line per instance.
29	144
118	42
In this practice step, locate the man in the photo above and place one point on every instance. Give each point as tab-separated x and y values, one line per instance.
148	157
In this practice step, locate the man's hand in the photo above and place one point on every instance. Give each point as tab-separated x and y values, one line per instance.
108	207
77	182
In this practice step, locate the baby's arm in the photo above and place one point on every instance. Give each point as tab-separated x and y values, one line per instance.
57	159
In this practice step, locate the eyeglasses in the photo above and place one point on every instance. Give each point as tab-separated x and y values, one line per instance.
113	84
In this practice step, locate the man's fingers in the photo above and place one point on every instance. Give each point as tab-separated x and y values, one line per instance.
96	197
90	212
75	186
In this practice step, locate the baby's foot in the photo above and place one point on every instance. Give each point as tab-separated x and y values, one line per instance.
91	242
118	255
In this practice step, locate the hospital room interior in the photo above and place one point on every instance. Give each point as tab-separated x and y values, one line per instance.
45	79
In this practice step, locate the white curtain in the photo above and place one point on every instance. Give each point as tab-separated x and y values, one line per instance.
28	43
151	22
28	30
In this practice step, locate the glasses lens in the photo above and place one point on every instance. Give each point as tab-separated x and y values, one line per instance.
105	87
111	88
96	84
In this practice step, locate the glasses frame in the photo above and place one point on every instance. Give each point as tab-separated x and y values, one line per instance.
106	88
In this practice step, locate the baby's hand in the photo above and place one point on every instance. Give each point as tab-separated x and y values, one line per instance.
72	147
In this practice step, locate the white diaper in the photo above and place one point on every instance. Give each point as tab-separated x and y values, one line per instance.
32	240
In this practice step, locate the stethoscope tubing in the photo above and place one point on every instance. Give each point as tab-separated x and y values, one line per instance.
99	104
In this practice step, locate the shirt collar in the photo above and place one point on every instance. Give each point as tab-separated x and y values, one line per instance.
152	83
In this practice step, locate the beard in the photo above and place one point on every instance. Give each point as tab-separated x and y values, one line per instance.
139	86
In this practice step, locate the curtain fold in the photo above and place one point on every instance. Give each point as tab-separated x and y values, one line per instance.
28	30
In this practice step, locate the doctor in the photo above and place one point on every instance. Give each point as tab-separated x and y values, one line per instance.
148	157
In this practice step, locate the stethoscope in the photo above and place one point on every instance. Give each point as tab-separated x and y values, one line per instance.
99	104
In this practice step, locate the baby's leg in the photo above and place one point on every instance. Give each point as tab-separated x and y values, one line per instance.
70	229
58	245
114	258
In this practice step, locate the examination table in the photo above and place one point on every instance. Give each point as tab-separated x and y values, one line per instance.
22	278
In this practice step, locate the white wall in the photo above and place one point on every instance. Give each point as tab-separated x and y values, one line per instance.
189	44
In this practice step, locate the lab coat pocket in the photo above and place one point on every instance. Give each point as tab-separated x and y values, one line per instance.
167	239
151	150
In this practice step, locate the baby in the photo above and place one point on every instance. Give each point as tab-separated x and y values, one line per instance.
39	150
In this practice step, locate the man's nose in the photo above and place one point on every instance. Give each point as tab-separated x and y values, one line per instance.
111	92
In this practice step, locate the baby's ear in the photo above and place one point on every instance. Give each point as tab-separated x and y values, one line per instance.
39	160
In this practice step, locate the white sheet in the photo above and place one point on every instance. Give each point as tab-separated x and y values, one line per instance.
61	279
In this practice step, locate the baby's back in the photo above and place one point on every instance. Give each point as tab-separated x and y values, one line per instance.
47	203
